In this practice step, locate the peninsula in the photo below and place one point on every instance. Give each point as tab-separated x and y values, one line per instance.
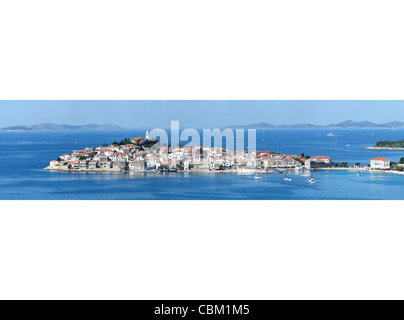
139	155
388	145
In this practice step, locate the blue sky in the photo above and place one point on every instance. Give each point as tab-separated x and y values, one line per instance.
196	114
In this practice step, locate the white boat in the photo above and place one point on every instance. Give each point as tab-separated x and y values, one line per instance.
358	174
312	181
306	174
288	179
258	177
330	135
348	145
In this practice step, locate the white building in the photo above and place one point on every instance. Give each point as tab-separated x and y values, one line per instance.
65	157
54	163
318	162
380	164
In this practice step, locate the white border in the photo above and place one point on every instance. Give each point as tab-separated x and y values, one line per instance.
218	49
217	250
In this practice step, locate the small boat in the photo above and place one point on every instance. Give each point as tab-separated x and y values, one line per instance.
348	145
330	135
306	174
288	179
358	174
312	181
257	177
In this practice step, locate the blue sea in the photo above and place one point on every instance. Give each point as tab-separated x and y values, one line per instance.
23	154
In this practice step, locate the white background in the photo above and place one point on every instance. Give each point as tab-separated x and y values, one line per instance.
201	50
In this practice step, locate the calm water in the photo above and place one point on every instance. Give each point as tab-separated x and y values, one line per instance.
22	154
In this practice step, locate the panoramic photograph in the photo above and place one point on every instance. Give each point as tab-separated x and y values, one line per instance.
201	150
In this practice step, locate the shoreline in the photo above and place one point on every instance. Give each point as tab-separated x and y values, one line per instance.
239	172
360	170
382	148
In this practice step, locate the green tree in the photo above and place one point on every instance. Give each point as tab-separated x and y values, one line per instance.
69	166
82	158
401	161
358	164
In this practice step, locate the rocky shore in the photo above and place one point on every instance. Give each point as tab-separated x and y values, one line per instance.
383	148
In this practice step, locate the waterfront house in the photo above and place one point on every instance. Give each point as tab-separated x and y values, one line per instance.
380	164
84	164
54	163
92	165
318	162
76	165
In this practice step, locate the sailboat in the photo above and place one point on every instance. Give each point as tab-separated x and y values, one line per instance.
330	135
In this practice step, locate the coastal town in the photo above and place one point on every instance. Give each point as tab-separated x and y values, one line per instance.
141	155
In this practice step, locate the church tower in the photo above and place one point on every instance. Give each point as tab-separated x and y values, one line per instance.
147	135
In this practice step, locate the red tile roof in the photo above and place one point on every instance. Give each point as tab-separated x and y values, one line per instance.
381	159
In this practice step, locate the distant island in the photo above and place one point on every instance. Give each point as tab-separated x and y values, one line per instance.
388	145
62	127
261	125
346	124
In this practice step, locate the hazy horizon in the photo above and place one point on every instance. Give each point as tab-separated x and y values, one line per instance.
197	114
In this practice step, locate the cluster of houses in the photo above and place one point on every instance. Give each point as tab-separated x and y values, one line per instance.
135	156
